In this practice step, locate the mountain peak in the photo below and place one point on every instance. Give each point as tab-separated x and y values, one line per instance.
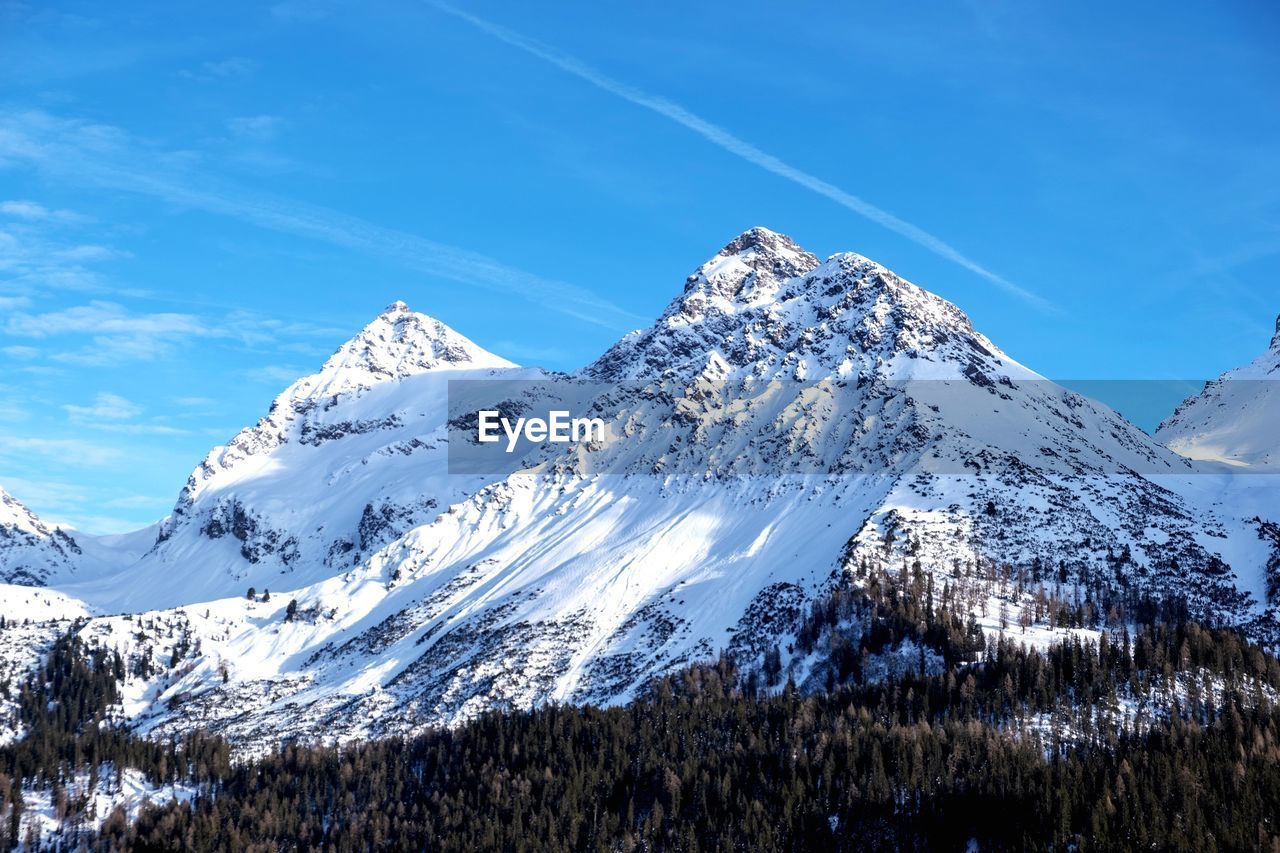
764	304
30	549
14	514
761	240
748	269
764	251
1275	340
399	342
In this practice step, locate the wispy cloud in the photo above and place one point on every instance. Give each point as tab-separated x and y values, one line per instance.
36	212
30	262
11	411
256	330
274	374
58	449
136	502
40	250
49	495
106	317
104	333
231	68
260	128
141	429
75	507
115	333
105	407
105	157
741	148
115	414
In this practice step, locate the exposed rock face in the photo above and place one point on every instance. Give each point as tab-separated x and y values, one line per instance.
767	307
30	550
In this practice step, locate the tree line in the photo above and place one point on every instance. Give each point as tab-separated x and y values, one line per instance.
1166	736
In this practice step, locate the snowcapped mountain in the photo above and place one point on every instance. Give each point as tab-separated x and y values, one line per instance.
785	422
1234	419
346	460
1232	424
30	550
35	557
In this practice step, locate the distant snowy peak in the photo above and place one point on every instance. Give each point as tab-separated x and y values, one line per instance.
1233	420
14	516
345	458
765	306
29	549
398	343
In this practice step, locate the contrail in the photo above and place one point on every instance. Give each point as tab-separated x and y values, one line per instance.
735	145
106	157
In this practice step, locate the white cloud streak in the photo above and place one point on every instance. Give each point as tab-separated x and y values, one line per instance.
103	318
273	374
58	450
105	406
741	148
104	157
34	211
113	413
117	333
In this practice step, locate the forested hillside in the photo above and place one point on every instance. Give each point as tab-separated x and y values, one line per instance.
1164	738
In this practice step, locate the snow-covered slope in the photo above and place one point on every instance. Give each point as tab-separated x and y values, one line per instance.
30	550
783	421
1236	419
1234	424
345	460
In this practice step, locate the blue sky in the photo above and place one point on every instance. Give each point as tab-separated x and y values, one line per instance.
198	202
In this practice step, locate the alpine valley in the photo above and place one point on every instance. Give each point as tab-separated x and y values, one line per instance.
790	432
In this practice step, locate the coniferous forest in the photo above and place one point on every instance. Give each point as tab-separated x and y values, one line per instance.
1007	746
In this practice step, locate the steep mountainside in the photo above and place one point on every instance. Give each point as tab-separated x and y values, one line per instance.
785	423
1234	423
345	461
30	550
1235	419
